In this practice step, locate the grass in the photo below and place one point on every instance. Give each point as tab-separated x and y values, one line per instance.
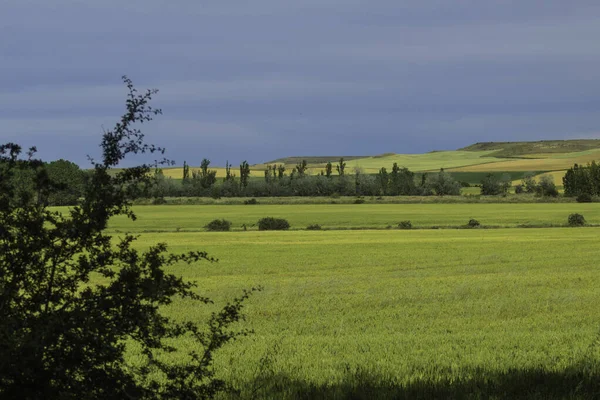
508	313
355	216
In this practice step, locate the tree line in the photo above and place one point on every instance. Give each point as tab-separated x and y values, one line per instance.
278	181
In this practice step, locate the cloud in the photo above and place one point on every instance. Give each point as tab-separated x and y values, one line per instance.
269	78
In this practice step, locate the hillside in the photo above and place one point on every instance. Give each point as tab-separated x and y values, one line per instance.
310	159
516	149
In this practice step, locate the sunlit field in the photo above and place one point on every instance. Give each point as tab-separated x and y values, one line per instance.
451	313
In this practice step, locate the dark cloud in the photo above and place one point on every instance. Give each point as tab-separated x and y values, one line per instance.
270	78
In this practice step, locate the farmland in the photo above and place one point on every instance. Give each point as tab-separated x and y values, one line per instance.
469	164
380	313
355	216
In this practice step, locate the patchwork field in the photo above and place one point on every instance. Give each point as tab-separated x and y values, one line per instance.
469	164
450	313
555	162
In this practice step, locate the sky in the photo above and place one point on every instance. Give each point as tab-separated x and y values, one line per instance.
263	79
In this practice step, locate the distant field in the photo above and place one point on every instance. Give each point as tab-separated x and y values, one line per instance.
473	162
346	216
556	162
424	162
509	313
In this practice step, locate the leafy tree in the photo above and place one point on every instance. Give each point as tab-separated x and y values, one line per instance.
206	177
328	169
67	179
341	166
301	168
244	174
582	179
402	181
443	184
73	298
546	187
280	171
383	180
528	182
186	172
229	177
491	185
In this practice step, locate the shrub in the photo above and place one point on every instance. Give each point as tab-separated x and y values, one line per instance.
314	227
519	189
584	198
273	224
576	220
218	225
359	200
159	201
250	201
473	223
405	225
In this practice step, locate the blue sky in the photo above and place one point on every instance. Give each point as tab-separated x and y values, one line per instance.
263	79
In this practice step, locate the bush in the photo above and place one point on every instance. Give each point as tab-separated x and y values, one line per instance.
405	225
584	198
519	189
159	201
359	200
273	224
218	225
250	201
576	220
313	227
473	223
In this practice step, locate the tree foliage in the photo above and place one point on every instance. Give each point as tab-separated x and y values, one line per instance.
72	298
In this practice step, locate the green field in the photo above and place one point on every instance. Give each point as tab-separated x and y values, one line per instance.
449	313
357	216
504	313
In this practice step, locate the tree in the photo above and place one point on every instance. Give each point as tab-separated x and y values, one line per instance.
244	174
280	171
228	175
443	184
67	179
186	172
301	168
546	187
491	185
72	298
328	169
341	166
528	182
383	180
206	177
402	181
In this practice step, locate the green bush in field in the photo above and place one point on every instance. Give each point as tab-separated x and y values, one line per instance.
473	223
273	224
405	225
576	220
359	200
251	201
313	227
218	225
